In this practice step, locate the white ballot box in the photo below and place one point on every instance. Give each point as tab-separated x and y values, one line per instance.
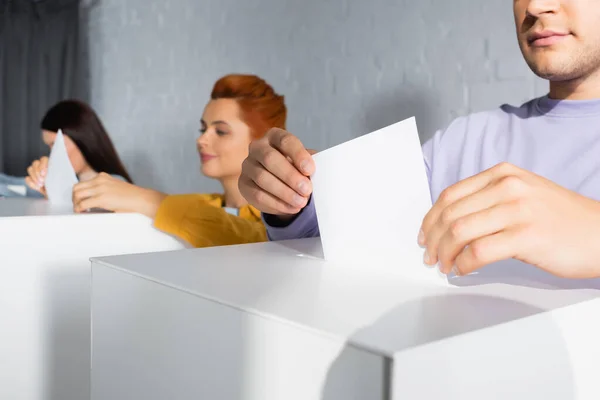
273	321
30	207
45	292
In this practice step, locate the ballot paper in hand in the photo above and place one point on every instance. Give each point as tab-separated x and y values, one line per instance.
61	176
371	195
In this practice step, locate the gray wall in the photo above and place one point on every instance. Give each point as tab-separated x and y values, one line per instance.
346	67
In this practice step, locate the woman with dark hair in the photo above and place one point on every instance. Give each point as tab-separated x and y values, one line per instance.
88	145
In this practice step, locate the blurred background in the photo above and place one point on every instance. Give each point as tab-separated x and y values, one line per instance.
346	67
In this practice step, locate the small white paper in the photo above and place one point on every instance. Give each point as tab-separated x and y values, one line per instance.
61	176
19	189
371	195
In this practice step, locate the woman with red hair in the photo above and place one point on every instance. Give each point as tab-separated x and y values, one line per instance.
242	108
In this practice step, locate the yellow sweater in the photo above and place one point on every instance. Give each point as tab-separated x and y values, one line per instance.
201	220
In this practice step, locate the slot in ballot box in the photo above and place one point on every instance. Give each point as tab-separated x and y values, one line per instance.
45	292
273	321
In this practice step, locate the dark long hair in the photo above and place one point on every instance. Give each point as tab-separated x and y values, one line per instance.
80	123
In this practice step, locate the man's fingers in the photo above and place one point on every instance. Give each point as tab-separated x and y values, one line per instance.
271	184
269	203
465	230
486	250
275	174
269	160
449	218
290	146
468	187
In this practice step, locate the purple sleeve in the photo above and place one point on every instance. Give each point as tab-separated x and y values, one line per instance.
428	151
305	225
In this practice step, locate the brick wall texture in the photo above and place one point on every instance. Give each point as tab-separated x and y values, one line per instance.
346	67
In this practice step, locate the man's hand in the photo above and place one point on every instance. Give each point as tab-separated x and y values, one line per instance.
275	176
506	212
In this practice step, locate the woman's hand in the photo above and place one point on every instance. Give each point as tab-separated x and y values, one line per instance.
112	194
36	178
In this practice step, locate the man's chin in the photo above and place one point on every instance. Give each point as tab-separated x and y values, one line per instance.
556	76
551	71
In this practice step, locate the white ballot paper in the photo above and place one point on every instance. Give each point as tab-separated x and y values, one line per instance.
371	195
61	176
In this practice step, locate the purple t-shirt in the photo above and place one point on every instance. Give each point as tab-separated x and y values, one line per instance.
559	140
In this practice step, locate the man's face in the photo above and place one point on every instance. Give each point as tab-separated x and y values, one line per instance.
560	39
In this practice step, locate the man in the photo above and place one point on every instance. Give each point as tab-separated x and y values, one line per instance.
514	183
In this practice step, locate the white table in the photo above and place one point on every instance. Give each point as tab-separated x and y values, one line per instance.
29	207
272	321
45	291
